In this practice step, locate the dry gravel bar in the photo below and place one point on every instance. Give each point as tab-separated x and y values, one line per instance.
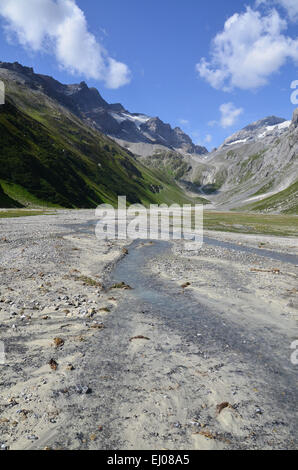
91	363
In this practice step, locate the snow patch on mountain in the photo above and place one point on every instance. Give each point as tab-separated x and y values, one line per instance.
240	141
271	126
137	119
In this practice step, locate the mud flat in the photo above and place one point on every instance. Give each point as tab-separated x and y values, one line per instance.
149	347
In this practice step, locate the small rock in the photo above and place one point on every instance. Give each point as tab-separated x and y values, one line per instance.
58	342
53	364
83	389
177	425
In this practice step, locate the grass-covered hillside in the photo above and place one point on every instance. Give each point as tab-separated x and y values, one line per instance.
285	201
6	201
49	157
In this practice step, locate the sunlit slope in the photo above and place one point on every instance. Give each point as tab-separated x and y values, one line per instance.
48	156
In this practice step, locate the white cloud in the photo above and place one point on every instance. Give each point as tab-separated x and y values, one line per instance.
248	51
229	114
291	6
208	138
117	74
184	122
60	27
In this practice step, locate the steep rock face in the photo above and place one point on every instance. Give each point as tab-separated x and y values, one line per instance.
294	124
131	130
158	130
163	134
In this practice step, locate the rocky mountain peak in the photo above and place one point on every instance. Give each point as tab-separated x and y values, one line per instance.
268	121
141	133
16	67
271	126
117	107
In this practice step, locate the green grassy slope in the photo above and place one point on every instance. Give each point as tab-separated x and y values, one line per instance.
171	166
285	201
48	157
170	163
6	201
243	222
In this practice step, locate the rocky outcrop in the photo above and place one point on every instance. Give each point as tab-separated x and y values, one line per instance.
294	124
163	134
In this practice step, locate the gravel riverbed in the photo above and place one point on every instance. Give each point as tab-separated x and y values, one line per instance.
144	346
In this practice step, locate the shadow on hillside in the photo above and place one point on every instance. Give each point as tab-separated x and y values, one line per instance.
7	202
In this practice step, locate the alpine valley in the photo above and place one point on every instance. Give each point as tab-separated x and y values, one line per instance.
65	146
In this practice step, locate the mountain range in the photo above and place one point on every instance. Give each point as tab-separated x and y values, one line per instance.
65	145
51	155
137	132
254	169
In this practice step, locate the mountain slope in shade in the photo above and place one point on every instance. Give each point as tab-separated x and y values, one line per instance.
6	201
139	133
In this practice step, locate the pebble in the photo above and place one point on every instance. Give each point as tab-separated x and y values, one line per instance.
83	389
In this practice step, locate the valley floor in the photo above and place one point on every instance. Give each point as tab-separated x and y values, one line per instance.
158	366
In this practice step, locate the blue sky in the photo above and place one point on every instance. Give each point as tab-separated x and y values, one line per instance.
149	55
